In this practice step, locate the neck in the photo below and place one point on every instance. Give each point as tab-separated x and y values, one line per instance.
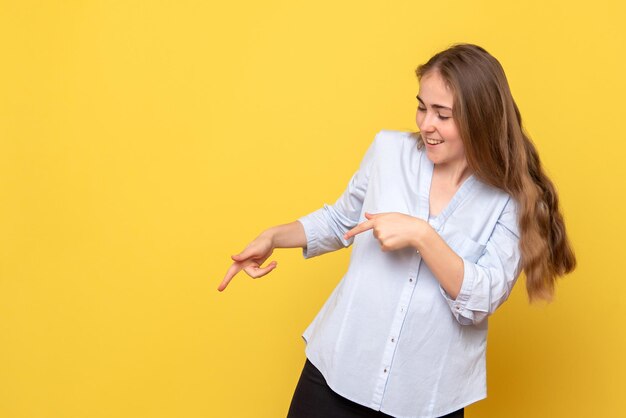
453	174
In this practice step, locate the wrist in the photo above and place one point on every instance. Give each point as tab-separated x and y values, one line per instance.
419	237
269	235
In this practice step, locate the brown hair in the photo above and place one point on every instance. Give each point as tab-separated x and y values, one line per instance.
501	154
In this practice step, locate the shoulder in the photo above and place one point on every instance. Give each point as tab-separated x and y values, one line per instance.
392	137
504	199
504	205
392	141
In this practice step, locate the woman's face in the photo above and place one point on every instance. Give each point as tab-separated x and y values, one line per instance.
434	120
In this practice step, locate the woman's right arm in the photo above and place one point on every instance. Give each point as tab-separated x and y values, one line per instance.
317	233
289	235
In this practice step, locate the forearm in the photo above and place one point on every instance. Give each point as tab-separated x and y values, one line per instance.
445	264
289	235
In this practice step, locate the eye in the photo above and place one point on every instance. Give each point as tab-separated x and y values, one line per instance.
421	109
444	117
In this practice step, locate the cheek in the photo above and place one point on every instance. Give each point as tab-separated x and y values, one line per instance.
458	146
453	135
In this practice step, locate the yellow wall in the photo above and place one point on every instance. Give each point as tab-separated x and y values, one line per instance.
142	143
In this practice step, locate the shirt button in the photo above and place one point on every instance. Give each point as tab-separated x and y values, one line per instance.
385	370
393	340
402	309
411	279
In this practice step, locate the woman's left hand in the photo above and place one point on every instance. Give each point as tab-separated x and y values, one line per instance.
393	230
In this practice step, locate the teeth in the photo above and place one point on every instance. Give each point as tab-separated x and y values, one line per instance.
433	141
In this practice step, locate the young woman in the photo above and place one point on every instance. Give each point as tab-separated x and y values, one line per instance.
442	221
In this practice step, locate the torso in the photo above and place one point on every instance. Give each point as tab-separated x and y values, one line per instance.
390	303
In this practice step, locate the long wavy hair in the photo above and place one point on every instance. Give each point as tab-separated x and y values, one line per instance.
501	154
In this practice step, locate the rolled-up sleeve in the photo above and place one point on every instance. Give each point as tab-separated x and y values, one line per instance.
325	227
488	282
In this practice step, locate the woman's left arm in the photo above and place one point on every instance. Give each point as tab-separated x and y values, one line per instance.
473	289
395	231
442	261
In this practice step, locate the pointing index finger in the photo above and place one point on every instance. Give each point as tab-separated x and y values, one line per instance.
232	271
363	226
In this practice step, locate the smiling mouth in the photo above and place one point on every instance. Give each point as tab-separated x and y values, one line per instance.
433	141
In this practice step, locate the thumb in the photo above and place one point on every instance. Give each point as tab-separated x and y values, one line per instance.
369	215
245	254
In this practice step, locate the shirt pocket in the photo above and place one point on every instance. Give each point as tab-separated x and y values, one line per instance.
466	248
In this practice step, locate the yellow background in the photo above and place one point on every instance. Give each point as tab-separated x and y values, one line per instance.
143	142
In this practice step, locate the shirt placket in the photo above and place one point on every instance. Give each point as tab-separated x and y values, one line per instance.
394	334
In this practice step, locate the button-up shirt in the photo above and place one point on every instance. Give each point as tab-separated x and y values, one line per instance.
389	336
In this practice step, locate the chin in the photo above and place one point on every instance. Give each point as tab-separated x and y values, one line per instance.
434	157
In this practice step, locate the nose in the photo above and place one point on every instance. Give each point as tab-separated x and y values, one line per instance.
428	123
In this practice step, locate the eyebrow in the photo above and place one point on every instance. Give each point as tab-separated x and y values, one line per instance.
436	106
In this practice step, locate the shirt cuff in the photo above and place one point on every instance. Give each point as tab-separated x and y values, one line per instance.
458	306
312	248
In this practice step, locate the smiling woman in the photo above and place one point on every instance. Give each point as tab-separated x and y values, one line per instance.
439	130
404	332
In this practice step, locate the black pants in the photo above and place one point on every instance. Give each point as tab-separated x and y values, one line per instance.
313	398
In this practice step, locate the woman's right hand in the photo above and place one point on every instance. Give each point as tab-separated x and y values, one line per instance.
250	260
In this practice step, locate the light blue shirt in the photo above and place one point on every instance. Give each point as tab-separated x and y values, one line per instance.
389	337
